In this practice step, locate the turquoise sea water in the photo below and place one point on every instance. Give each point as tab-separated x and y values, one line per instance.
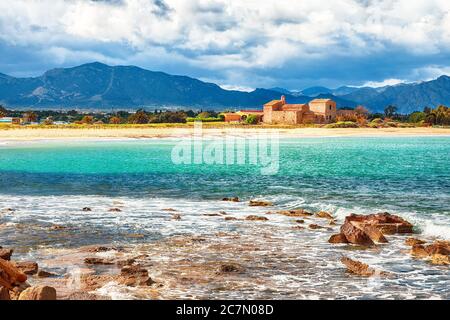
49	182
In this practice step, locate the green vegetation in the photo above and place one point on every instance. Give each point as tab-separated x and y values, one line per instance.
252	119
343	124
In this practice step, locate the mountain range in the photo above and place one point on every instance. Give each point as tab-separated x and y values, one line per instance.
99	86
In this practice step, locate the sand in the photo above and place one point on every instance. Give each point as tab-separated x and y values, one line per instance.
27	134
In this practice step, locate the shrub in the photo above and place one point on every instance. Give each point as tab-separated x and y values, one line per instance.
342	124
252	119
377	120
190	119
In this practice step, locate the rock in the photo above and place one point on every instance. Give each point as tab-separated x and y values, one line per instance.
256	218
374	234
114	210
413	241
360	268
18	289
4	294
419	251
338	238
127	262
233	199
97	261
300	221
104	249
317	227
332	223
176	217
385	222
10	274
57	227
169	210
27	267
45	274
87	209
223	213
212	215
260	203
438	247
295	213
355	235
134	276
5	254
440	259
229	268
230	218
324	215
38	293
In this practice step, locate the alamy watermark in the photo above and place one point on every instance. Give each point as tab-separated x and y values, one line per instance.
235	147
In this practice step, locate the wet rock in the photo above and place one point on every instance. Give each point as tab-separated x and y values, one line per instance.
10	274
5	254
18	289
374	234
360	268
439	247
127	262
387	223
27	267
85	296
355	235
45	274
169	210
212	215
114	210
104	249
231	219
233	199
419	251
256	218
413	241
338	238
324	215
87	209
223	213
300	221
4	294
332	223
57	227
260	203
97	261
38	293
135	235
229	268
133	276
317	227
8	210
176	217
295	213
440	259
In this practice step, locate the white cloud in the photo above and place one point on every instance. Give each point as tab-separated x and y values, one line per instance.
224	35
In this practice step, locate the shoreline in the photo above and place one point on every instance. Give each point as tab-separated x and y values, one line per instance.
58	134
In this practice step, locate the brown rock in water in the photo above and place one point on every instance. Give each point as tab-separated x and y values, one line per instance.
45	274
4	294
38	293
27	267
256	218
418	250
355	235
233	199
317	227
324	215
229	268
176	217
6	254
387	223
338	238
134	276
440	259
360	268
127	262
374	234
10	274
413	241
260	203
295	213
230	218
115	210
93	260
86	209
57	227
300	221
439	247
169	210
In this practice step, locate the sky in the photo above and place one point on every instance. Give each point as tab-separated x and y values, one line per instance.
238	44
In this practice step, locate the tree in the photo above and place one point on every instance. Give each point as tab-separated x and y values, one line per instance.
416	117
48	121
204	115
3	112
252	119
362	111
115	120
88	120
390	111
140	117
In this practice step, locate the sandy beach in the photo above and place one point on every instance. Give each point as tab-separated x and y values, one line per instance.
17	134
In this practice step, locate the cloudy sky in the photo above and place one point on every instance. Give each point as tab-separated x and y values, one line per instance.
235	43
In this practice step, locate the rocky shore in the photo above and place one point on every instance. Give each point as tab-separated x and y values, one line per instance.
182	266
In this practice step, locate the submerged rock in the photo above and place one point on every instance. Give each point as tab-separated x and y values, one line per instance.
361	269
317	227
232	199
4	294
324	215
295	213
176	217
38	293
86	209
338	238
45	274
231	219
256	218
134	276
114	210
229	268
260	203
97	261
57	227
86	296
413	241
